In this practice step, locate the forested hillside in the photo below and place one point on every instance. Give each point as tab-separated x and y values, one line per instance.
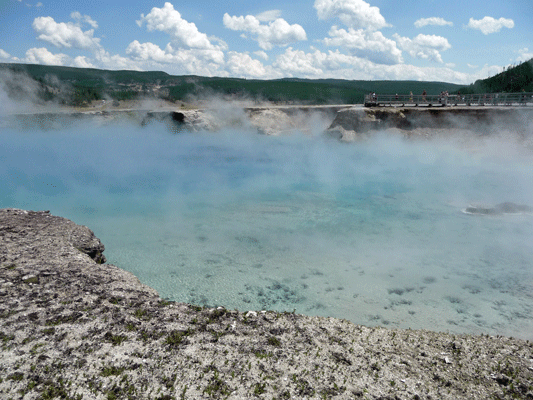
511	80
80	86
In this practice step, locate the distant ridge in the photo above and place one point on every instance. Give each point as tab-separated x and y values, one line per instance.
76	86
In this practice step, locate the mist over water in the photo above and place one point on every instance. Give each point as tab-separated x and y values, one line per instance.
373	231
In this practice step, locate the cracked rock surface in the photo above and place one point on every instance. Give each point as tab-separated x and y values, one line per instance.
73	327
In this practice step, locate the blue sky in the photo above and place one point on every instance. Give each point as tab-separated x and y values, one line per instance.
452	41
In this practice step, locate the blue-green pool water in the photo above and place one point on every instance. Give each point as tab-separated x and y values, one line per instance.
372	231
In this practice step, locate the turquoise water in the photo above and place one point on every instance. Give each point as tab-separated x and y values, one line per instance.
372	231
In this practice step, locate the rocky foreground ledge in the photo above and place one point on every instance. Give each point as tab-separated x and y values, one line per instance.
72	327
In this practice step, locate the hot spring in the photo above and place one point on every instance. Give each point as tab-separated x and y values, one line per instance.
372	231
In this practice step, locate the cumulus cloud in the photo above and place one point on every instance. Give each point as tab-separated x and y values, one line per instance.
270	15
189	50
76	15
367	44
63	34
182	32
426	47
432	21
192	61
104	59
82	62
333	64
300	63
354	13
241	64
148	51
71	35
261	54
318	64
114	61
489	25
43	56
4	55
276	33
524	55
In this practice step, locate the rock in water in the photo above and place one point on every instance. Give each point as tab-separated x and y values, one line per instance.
512	208
498	209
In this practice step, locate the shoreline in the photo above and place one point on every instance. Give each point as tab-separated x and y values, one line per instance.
74	326
346	123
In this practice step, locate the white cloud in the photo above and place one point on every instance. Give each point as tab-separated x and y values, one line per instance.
189	51
338	65
115	61
485	72
261	54
524	55
371	45
472	66
432	21
64	34
191	61
70	35
82	62
300	63
43	56
148	52
182	32
4	55
490	25
270	15
277	33
317	64
427	47
354	13
241	64
84	18
39	4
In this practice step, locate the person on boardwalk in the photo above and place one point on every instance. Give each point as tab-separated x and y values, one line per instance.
424	94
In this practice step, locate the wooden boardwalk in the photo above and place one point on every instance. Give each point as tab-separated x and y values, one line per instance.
485	99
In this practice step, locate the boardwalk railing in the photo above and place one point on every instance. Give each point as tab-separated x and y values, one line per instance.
485	99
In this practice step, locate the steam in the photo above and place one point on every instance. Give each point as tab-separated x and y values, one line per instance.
222	218
18	93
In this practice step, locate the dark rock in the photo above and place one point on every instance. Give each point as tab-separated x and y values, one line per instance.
502	379
178	117
509	207
498	209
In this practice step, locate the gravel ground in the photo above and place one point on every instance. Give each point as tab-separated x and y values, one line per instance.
73	327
